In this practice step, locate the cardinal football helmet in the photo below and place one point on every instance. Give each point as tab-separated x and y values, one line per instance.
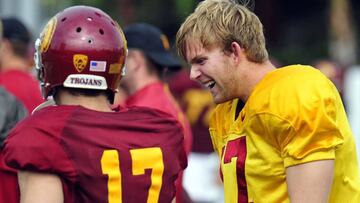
80	47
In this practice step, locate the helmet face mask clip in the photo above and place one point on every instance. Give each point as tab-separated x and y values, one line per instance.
38	64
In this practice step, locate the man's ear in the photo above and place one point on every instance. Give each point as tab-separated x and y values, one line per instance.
237	51
6	45
140	59
134	60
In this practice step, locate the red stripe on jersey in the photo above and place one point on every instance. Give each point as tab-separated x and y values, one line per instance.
237	148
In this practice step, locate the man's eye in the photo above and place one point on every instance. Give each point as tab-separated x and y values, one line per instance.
200	61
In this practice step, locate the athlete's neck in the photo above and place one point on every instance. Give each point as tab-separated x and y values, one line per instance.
254	74
138	82
14	63
96	103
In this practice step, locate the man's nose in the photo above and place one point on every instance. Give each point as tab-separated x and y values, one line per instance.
194	73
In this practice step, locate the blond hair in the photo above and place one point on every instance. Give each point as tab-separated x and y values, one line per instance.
221	22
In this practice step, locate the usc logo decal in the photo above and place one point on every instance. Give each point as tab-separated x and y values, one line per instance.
80	61
47	34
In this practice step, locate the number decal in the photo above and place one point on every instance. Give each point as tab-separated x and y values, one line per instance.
146	158
233	170
110	165
149	158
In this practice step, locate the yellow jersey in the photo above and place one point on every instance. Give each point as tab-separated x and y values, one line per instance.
294	115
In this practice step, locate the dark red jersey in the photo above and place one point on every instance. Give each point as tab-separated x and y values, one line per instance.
134	155
9	188
198	105
157	95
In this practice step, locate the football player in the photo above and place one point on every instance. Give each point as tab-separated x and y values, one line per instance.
79	150
202	161
291	142
148	59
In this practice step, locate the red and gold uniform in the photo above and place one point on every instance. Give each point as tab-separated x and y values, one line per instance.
293	116
102	156
158	96
203	162
197	103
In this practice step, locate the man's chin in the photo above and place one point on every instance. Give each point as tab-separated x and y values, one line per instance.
219	99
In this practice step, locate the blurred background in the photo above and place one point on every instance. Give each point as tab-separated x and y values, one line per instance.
296	31
321	33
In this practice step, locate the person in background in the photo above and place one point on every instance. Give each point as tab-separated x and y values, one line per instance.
15	70
201	177
148	58
11	112
80	150
333	71
291	142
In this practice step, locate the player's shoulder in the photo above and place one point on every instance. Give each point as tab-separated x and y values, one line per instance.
147	112
145	120
44	125
35	137
301	81
294	80
47	117
296	76
55	112
287	90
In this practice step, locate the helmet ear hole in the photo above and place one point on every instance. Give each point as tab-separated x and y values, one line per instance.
78	29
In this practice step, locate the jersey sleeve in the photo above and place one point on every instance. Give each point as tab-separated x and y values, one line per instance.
37	148
306	129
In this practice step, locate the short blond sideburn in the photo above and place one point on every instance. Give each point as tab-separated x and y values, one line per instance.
221	22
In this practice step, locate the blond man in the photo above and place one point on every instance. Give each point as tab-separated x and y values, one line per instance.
291	142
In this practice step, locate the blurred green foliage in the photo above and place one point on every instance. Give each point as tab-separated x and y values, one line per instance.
184	7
